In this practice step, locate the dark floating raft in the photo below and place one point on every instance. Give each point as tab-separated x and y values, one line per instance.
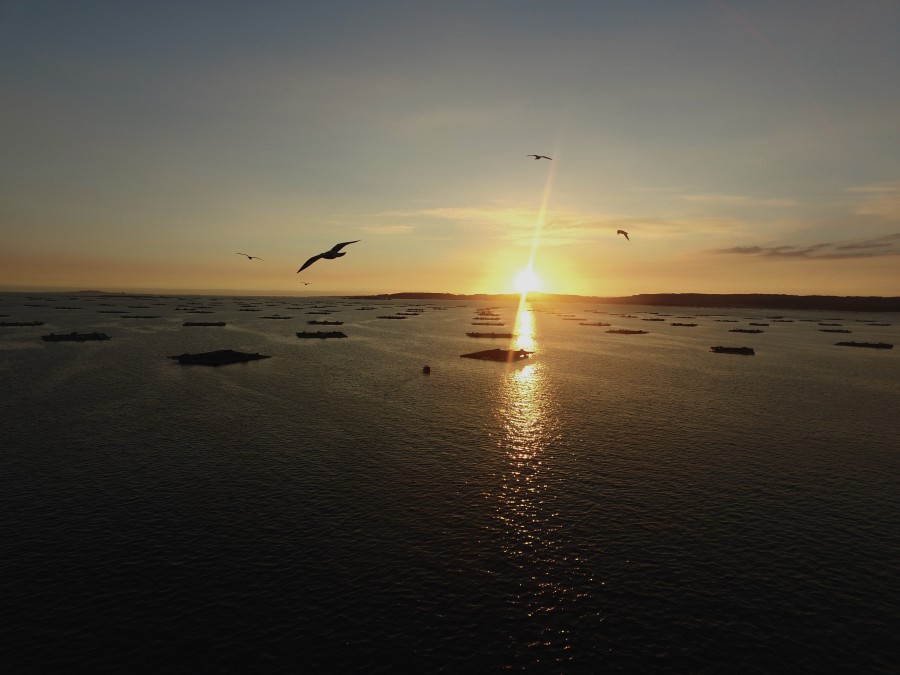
74	337
219	357
625	331
322	334
747	351
503	355
318	322
870	345
21	323
491	335
203	323
745	330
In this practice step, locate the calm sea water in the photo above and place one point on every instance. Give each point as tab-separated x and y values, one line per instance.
621	503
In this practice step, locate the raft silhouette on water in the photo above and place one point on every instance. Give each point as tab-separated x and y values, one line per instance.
220	357
505	355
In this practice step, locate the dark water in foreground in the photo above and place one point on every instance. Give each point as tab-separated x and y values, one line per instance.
622	503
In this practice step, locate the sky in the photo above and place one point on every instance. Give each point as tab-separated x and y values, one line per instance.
745	146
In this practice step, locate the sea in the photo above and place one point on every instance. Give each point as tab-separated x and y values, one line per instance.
621	503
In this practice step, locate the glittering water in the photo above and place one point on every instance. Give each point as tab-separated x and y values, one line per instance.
625	503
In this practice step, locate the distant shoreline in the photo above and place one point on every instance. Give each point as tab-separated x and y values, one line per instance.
773	301
731	300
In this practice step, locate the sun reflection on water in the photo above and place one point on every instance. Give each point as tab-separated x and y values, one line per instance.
524	330
531	531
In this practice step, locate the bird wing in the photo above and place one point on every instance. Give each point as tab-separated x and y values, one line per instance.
309	262
338	247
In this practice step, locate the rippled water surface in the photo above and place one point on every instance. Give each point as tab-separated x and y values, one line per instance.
623	503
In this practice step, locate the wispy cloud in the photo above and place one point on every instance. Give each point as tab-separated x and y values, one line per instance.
564	227
739	200
388	229
888	245
879	199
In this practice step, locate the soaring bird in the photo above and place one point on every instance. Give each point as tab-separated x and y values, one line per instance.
623	232
539	157
335	252
250	257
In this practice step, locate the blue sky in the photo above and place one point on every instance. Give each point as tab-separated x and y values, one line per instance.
745	146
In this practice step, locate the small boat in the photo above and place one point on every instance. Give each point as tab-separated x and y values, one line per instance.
74	337
321	334
871	345
747	351
219	357
426	370
503	355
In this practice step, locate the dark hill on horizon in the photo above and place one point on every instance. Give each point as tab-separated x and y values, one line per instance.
734	300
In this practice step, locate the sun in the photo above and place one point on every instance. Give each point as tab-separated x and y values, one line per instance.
527	281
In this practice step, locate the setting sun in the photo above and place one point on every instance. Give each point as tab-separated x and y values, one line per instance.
527	281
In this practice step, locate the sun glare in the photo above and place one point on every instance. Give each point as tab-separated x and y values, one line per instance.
527	281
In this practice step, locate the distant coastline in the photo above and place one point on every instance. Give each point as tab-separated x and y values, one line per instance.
732	300
773	301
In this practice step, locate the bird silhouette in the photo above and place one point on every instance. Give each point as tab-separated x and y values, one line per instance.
623	232
249	257
536	157
335	252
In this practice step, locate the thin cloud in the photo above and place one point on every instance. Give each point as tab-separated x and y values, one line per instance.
739	200
388	229
888	245
879	199
564	227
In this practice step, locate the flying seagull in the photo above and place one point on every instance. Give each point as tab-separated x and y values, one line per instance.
623	232
539	157
249	257
335	252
